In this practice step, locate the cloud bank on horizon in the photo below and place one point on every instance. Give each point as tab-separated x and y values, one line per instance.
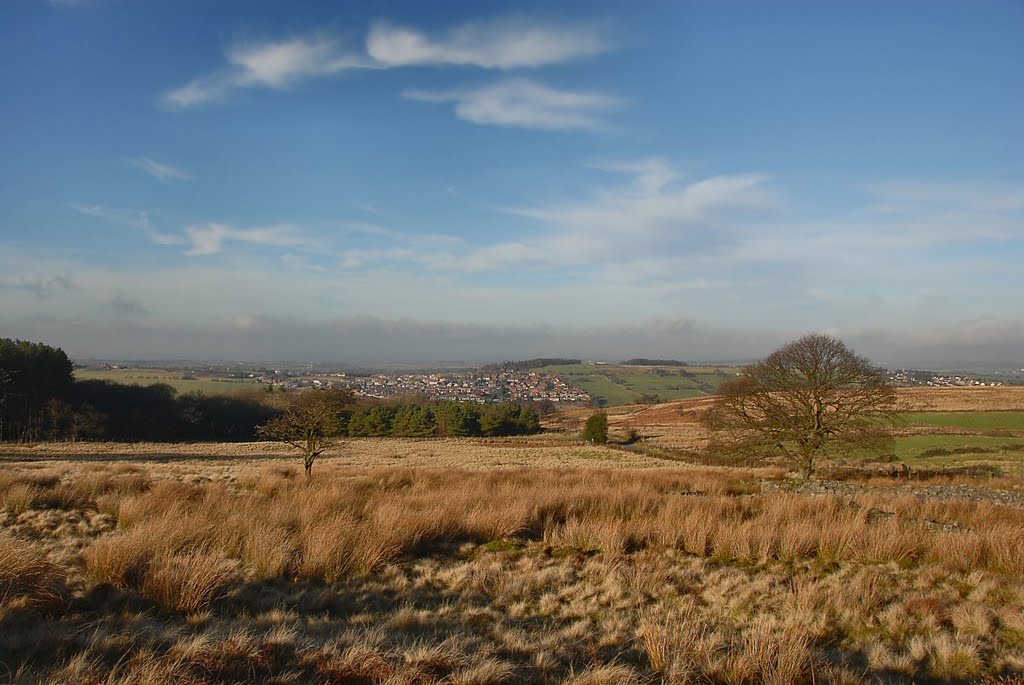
691	181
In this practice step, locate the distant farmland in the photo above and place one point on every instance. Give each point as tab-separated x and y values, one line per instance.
612	384
182	381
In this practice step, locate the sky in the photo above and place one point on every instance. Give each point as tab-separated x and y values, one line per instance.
474	181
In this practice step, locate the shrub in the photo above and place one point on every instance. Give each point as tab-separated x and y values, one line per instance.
596	430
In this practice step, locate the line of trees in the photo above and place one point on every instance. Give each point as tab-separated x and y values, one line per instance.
641	361
527	364
316	420
443	419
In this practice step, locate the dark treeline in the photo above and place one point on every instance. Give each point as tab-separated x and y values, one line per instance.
32	376
40	400
443	419
527	364
101	410
640	361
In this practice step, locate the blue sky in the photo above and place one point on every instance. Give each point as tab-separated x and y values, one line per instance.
408	181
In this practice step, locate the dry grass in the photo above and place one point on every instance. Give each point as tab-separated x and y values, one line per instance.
481	454
28	580
673	574
1008	398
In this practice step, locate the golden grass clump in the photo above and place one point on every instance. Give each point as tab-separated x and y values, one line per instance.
187	583
28	580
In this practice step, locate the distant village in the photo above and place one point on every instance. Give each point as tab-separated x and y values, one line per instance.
911	378
499	386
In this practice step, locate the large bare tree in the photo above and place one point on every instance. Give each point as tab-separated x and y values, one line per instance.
311	422
812	397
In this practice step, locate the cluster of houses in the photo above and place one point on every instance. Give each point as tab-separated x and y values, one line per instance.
918	378
500	386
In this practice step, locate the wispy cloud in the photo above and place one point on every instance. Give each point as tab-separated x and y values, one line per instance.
654	215
41	287
276	65
651	215
208	239
504	43
498	44
205	238
650	175
135	219
524	103
159	170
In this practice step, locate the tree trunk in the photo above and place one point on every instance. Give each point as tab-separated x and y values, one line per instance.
309	469
807	465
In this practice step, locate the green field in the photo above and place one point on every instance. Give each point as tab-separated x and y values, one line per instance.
993	437
916	447
985	421
175	379
613	385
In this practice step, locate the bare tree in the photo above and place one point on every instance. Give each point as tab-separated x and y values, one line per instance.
812	397
312	423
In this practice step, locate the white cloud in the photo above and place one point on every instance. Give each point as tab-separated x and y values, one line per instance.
208	239
619	229
620	223
524	103
498	44
275	65
650	175
159	170
135	219
279	65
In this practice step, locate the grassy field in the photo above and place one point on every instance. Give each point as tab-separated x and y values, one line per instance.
991	432
239	572
939	449
614	385
181	381
988	421
522	560
962	438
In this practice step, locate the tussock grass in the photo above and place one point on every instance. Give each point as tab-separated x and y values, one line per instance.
345	526
671	575
28	580
187	583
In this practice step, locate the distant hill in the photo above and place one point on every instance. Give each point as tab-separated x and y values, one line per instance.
640	361
528	364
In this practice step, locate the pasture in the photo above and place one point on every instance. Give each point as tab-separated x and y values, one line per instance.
182	382
613	385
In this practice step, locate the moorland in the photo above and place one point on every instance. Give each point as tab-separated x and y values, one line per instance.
521	559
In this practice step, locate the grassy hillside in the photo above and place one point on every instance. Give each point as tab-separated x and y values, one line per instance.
181	381
612	384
